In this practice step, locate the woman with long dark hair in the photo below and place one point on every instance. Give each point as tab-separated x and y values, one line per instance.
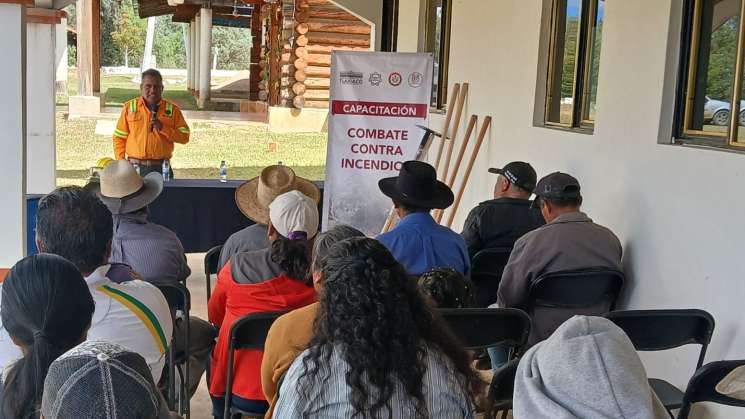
47	310
269	280
378	350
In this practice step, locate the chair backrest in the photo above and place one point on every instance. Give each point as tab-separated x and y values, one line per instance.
486	273
577	288
555	297
211	260
249	332
702	386
502	388
657	330
485	327
177	296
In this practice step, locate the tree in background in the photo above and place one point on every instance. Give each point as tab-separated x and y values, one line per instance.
721	74
233	47
129	35
168	45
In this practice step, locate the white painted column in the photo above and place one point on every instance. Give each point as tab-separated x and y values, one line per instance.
60	56
205	44
13	134
40	108
197	40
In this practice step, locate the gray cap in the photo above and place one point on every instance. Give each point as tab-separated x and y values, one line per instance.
99	380
558	185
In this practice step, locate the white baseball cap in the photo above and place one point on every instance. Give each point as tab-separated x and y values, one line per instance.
292	214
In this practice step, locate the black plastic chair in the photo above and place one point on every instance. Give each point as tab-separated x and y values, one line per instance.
480	328
248	332
702	386
486	273
658	330
557	296
179	301
211	260
502	389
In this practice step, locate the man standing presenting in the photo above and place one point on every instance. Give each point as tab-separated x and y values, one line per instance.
149	126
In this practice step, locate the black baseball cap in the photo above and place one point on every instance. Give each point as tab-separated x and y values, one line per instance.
518	173
559	186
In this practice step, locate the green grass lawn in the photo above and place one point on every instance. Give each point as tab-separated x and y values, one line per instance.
118	89
245	148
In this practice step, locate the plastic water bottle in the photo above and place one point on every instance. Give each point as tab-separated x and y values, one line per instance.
137	167
223	172
166	170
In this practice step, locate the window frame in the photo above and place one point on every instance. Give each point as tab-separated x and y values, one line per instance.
444	46
582	66
685	94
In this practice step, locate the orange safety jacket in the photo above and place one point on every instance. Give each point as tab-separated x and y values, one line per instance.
133	138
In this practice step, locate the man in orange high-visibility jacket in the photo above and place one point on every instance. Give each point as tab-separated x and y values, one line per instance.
149	126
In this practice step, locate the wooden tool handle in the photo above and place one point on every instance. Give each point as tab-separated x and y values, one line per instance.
474	154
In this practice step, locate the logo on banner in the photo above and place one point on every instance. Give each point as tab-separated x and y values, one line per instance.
395	79
416	79
351	78
376	78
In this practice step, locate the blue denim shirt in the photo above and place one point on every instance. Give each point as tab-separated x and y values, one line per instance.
420	244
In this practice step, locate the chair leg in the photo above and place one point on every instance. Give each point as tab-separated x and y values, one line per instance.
670	412
209	287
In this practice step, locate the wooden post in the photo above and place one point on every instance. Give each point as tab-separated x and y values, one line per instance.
84	19
448	117
96	45
454	136
466	140
467	174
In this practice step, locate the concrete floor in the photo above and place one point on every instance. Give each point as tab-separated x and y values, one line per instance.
201	406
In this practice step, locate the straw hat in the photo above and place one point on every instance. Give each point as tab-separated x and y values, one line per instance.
123	190
253	197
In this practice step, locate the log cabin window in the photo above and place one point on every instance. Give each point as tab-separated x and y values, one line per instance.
437	41
574	62
710	108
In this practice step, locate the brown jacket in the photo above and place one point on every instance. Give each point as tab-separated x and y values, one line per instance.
571	241
288	337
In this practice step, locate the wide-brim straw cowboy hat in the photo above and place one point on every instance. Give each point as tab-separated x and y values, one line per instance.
122	189
254	196
417	185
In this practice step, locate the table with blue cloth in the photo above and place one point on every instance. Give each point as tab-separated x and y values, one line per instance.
202	212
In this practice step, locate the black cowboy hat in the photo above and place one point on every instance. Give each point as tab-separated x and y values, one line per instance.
417	185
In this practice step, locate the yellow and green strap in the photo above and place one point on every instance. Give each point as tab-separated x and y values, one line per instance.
120	133
183	130
169	109
133	106
142	312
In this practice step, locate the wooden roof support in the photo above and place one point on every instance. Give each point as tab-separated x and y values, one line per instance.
89	46
44	16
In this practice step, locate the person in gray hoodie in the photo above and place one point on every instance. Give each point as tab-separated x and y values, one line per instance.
588	369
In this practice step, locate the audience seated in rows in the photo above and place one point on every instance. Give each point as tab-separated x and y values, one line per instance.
291	332
378	348
499	222
418	242
588	369
99	380
446	288
153	251
253	199
73	223
46	310
569	241
268	280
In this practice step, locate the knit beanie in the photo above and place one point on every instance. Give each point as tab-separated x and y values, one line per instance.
99	380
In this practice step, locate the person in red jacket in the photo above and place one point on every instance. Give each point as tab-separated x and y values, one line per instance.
267	280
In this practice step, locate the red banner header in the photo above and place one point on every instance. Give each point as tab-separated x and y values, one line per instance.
396	110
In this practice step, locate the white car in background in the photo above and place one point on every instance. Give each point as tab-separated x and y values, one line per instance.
717	111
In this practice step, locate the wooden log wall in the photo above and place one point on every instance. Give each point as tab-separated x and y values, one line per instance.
255	66
319	28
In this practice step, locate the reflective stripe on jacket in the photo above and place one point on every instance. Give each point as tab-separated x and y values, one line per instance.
133	138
